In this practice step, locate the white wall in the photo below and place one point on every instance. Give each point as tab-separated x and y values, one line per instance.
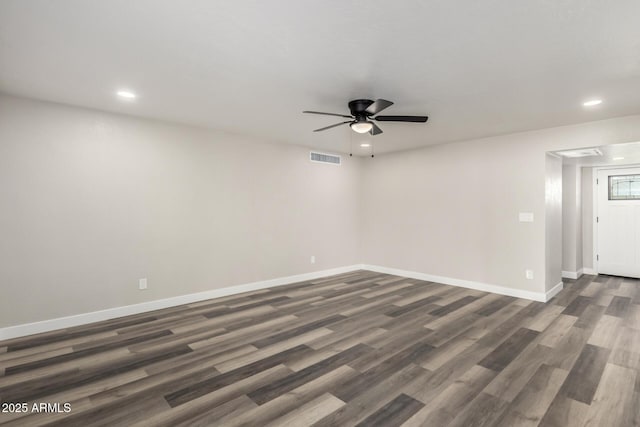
587	217
572	244
578	225
553	221
452	210
90	202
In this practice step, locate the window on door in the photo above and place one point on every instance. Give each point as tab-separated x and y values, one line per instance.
624	187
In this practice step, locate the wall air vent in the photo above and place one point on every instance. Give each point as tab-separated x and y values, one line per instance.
331	159
584	152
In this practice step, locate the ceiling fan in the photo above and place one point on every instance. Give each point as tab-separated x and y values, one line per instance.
362	114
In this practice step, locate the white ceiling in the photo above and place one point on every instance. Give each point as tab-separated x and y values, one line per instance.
477	68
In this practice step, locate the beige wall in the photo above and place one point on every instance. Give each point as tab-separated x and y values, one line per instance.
90	202
452	210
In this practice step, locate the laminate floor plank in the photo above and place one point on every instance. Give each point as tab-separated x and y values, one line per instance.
393	413
86	352
333	349
515	376
577	306
613	401
484	410
508	350
71	333
371	399
632	320
546	316
626	350
453	306
605	332
273	339
447	405
568	349
556	331
56	345
193	408
231	409
414	306
590	317
249	333
391	346
293	399
309	413
469	310
197	389
618	306
273	350
461	362
452	329
412	319
531	404
359	348
496	304
565	412
308	374
425	292
383	369
583	379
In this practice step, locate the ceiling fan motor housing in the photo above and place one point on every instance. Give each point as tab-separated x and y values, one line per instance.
358	107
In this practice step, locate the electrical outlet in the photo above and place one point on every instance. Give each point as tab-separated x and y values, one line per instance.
142	284
313	259
528	274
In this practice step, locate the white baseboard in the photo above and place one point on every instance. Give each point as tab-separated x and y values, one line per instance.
486	287
589	271
112	313
553	291
573	274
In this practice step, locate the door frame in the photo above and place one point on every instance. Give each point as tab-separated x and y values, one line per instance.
594	222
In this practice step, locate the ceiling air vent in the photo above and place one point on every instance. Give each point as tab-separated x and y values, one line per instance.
584	152
324	158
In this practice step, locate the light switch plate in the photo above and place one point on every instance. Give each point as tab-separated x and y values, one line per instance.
526	216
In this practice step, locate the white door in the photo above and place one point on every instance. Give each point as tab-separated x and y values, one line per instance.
618	222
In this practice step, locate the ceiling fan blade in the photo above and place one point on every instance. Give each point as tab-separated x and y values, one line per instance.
375	130
328	114
332	126
414	119
377	106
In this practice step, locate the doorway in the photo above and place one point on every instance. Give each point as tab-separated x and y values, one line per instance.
618	221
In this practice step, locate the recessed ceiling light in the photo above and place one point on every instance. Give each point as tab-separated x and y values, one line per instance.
365	145
125	94
618	158
592	103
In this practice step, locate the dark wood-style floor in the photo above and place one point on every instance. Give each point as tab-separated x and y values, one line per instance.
357	349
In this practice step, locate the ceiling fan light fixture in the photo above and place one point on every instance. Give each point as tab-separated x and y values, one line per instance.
361	126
